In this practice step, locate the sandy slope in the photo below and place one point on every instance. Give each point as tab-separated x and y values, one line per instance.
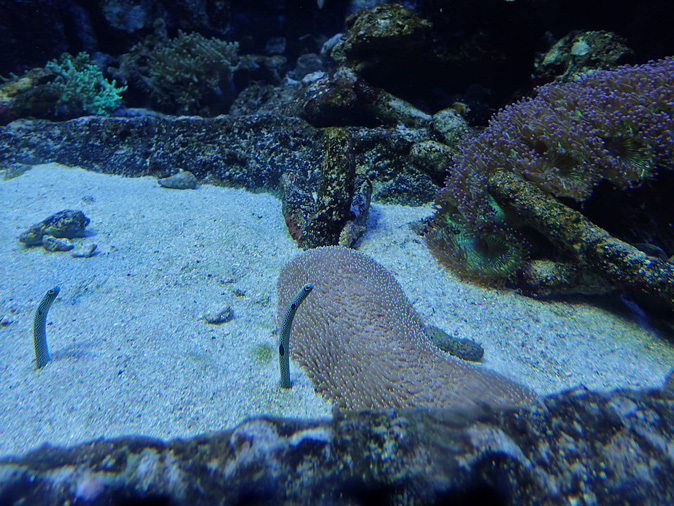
131	353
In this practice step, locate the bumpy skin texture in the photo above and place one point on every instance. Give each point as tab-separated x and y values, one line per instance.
465	349
365	347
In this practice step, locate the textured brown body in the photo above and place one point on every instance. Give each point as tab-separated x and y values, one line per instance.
364	344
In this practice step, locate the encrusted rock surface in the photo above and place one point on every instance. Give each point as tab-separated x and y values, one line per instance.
615	262
250	151
576	447
320	222
64	224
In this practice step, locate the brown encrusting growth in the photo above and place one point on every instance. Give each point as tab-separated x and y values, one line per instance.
618	263
364	344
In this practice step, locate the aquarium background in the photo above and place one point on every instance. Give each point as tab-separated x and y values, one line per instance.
509	163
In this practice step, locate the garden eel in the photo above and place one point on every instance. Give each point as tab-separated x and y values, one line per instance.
286	327
40	330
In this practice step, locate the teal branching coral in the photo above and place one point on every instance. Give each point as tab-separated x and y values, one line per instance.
81	87
187	73
614	126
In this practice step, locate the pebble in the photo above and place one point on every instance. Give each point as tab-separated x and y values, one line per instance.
84	250
51	243
219	315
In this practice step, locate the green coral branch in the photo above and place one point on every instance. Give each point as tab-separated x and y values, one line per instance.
80	84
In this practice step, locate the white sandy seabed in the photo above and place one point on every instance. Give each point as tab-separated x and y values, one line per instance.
131	353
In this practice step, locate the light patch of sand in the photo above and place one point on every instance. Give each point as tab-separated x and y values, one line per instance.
131	353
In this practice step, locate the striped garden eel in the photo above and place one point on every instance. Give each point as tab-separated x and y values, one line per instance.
40	328
286	327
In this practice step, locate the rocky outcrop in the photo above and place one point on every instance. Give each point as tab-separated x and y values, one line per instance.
251	151
577	446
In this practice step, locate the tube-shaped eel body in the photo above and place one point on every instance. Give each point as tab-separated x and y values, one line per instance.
286	327
40	328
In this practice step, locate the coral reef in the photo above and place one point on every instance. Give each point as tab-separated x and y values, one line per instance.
82	88
649	279
67	87
189	74
612	127
489	255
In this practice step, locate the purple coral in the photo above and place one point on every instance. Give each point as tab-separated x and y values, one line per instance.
615	125
612	125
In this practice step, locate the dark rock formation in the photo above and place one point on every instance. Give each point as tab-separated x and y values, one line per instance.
577	446
579	52
319	221
250	151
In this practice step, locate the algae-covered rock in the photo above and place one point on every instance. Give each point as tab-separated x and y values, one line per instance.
580	52
576	444
320	222
64	224
381	36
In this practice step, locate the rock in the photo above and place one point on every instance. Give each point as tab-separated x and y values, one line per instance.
84	250
433	158
342	98
580	52
249	152
383	37
576	446
451	126
51	243
219	315
541	278
183	180
319	220
64	224
619	264
356	226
